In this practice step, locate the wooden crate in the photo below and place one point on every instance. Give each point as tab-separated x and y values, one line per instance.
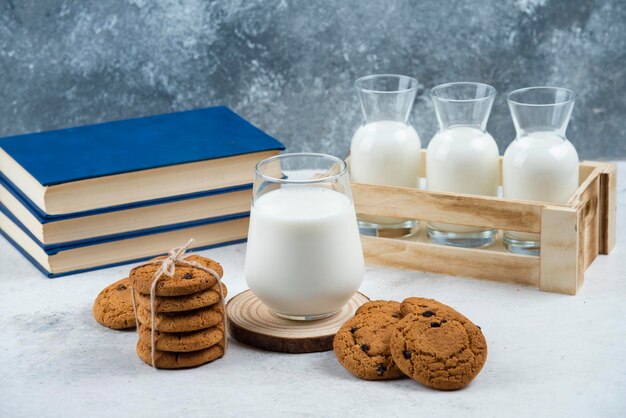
572	235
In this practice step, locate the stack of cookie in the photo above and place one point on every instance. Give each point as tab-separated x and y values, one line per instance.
188	328
420	338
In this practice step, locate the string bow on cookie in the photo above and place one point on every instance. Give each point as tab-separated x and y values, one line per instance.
167	267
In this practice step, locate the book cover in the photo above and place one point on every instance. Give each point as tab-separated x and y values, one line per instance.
72	154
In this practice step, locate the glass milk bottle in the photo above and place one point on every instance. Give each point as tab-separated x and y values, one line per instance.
385	150
462	157
540	164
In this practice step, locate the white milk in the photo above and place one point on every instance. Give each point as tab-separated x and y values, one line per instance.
385	153
462	159
540	166
304	253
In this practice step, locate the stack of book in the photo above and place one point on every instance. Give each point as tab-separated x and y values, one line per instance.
95	196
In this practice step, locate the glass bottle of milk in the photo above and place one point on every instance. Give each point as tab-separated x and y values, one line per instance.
462	157
540	164
385	150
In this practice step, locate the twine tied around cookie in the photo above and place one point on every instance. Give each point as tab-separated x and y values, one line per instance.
167	267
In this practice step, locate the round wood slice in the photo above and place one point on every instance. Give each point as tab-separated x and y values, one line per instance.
250	322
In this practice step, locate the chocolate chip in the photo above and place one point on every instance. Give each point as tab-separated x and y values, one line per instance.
381	369
435	324
365	347
353	329
443	321
121	287
406	354
188	276
428	314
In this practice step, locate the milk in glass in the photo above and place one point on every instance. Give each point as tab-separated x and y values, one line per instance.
304	258
462	157
385	150
540	164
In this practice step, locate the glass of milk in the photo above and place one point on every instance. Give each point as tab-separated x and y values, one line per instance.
304	259
385	150
540	164
462	157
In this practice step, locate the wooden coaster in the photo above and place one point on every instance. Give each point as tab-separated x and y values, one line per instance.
250	322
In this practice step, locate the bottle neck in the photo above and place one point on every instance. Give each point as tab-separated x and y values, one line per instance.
466	113
386	97
386	106
541	110
463	104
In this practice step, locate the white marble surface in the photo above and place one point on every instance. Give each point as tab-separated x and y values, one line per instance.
549	355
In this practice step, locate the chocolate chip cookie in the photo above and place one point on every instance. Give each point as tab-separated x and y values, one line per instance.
388	306
169	360
197	300
362	344
437	346
182	341
183	321
113	307
421	305
185	281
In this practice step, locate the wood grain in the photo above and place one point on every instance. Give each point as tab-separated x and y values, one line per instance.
469	262
608	207
407	203
562	258
589	204
607	201
250	322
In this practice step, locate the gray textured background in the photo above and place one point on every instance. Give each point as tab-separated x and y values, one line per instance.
288	66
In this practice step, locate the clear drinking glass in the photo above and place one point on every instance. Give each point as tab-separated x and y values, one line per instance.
540	164
304	259
462	157
385	150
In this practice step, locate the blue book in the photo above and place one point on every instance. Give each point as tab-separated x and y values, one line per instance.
77	257
115	164
137	219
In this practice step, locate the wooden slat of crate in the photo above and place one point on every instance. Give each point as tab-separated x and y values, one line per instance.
562	258
406	203
469	262
607	202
